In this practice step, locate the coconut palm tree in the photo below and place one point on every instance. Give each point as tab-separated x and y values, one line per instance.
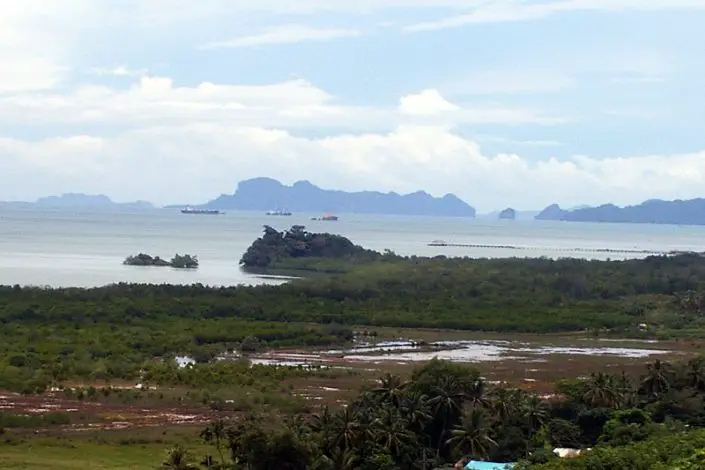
503	403
475	393
346	429
447	403
340	459
417	410
473	435
657	379
535	412
601	391
695	373
391	389
392	432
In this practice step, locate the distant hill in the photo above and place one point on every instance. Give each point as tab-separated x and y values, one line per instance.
82	201
262	194
653	211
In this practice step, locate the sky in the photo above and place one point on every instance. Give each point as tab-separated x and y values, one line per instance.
505	103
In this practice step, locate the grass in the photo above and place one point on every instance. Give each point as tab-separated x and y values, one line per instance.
37	455
104	451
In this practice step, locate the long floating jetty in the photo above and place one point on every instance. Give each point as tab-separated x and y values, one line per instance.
535	248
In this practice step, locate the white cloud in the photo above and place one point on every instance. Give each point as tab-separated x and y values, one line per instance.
33	51
500	11
295	103
118	71
428	102
286	34
203	160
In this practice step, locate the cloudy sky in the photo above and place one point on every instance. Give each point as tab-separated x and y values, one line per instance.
503	102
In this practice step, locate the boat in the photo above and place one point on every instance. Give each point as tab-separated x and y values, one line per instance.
326	217
191	210
279	212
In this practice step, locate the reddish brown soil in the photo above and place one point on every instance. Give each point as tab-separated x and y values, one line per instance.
94	416
530	372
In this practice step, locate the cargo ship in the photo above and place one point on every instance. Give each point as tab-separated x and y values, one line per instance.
191	210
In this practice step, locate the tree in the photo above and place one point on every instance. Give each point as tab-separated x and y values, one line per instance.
473	435
601	391
178	458
215	434
391	390
657	380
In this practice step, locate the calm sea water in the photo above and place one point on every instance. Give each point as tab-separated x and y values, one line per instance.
64	248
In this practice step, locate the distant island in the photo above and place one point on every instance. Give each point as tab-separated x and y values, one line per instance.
81	201
266	194
178	261
508	214
653	211
297	249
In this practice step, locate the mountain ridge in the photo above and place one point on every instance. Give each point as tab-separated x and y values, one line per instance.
79	200
651	211
262	194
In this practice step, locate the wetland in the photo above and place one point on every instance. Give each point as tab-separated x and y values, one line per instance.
368	332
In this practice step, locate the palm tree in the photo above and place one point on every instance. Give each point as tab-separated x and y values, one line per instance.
415	407
447	402
535	412
657	380
695	373
338	460
503	403
178	458
475	393
601	391
473	435
321	422
390	390
346	429
392	432
626	391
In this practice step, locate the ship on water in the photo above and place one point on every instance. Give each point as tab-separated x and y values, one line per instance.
280	212
330	217
191	210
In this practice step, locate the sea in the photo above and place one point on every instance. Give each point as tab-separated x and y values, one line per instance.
70	248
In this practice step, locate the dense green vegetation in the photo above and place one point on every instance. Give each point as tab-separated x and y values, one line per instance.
442	413
49	335
445	412
114	331
178	261
299	250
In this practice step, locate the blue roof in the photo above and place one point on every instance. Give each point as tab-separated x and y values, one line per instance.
476	465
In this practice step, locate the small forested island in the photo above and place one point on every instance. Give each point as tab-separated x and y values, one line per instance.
178	261
248	377
297	249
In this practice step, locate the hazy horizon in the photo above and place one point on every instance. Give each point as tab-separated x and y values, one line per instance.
480	211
